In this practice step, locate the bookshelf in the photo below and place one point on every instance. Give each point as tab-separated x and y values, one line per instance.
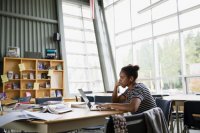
35	77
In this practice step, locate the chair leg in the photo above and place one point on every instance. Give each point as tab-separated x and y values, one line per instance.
171	127
186	129
181	124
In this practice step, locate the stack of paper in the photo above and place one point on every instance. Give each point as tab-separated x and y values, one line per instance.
56	108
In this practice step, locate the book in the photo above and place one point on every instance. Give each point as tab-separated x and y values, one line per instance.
56	108
58	93
28	94
53	93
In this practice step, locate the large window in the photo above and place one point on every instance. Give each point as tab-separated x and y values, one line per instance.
83	65
163	40
192	56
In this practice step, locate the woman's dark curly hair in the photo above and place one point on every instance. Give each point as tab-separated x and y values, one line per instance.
131	70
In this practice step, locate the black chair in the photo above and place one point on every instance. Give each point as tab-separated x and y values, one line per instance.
102	99
166	107
159	96
2	130
109	91
190	122
90	98
135	123
46	99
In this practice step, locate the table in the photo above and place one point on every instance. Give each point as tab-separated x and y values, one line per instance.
179	101
196	115
78	118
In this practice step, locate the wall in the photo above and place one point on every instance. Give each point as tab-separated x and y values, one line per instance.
27	24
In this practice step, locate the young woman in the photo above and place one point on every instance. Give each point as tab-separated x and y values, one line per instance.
136	98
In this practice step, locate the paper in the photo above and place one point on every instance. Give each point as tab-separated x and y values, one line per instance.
56	108
4	78
36	86
50	73
21	67
9	117
20	115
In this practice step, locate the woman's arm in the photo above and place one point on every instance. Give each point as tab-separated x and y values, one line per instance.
129	107
115	97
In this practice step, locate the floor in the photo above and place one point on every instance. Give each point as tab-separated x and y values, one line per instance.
101	131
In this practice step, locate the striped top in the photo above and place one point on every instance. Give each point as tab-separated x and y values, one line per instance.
140	91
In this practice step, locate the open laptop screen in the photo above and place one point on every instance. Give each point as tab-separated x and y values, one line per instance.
85	98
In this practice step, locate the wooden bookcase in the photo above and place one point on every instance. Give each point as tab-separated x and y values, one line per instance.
35	73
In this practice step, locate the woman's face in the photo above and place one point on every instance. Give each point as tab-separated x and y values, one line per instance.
124	80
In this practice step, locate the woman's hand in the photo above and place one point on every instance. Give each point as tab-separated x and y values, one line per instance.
106	106
117	84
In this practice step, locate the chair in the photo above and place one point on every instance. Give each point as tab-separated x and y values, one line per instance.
24	99
190	122
135	123
46	99
166	107
109	91
90	98
102	99
160	96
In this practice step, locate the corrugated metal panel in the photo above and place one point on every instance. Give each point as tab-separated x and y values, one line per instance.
27	24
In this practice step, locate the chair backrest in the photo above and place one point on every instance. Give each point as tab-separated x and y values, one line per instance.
102	99
90	98
88	92
191	107
166	107
46	99
159	96
24	99
109	91
135	123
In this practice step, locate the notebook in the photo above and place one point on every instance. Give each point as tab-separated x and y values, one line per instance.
89	105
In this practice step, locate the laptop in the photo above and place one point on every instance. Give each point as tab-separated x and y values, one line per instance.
89	105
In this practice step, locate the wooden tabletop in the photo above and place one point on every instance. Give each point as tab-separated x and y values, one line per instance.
81	114
196	115
78	118
182	97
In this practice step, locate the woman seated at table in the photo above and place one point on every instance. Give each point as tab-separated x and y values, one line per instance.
136	98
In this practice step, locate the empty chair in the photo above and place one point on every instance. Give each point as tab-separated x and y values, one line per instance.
46	99
102	99
190	122
109	91
134	123
166	107
159	96
24	99
90	98
88	92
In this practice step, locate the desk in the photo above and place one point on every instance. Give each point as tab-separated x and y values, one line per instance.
196	115
179	101
78	118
